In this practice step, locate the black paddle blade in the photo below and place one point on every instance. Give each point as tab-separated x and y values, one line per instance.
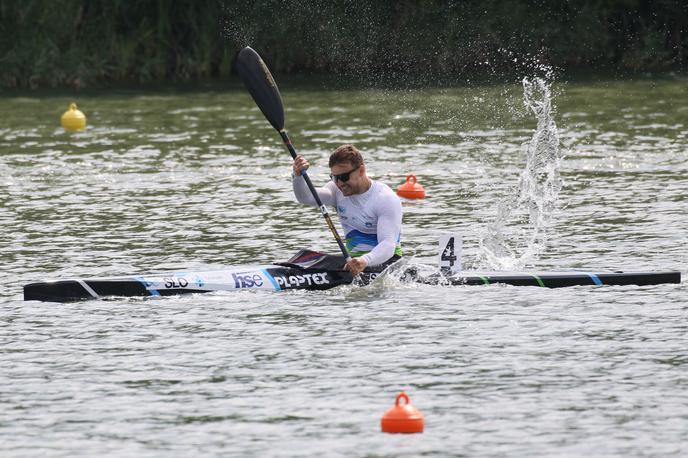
261	85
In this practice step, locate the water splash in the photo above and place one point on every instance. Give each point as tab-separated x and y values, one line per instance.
519	232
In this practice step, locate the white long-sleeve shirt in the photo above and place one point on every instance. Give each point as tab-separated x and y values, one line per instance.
371	221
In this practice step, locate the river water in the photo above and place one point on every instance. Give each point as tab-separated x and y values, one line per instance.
590	175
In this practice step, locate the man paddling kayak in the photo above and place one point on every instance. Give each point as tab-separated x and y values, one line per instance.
370	212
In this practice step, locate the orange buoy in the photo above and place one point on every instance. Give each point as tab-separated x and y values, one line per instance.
402	418
411	189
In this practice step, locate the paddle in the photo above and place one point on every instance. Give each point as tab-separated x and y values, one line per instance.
262	87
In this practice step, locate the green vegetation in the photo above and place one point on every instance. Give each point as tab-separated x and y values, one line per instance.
75	43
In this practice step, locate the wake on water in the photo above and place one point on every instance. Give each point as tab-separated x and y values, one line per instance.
519	232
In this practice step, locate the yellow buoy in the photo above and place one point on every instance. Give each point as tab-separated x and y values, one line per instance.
73	119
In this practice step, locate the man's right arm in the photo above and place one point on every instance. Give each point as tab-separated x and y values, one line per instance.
301	191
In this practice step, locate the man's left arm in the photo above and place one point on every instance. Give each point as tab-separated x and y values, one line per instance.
388	232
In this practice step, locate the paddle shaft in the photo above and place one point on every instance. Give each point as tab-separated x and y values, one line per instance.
323	209
261	85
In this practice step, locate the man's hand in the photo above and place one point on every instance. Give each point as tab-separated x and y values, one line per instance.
300	164
355	266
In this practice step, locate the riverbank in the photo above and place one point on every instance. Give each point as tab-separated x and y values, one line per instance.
78	45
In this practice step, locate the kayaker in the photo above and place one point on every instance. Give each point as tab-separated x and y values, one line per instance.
369	211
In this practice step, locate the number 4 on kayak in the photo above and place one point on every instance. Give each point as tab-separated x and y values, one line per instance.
449	256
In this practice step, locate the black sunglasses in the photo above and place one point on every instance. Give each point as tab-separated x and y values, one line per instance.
343	177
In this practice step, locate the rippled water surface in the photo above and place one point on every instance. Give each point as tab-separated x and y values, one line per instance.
172	179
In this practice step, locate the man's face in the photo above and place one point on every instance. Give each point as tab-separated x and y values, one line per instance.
355	180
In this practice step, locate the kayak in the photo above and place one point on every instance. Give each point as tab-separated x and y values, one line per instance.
312	270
